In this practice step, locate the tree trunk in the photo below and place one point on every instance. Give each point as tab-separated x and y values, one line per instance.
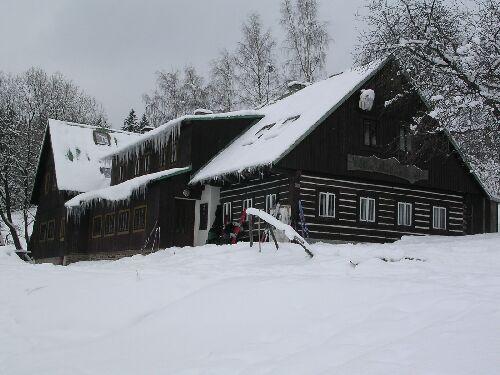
12	229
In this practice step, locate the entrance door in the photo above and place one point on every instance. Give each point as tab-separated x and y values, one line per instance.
184	222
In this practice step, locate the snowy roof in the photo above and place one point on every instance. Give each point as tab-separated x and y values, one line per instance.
286	123
161	134
77	155
123	191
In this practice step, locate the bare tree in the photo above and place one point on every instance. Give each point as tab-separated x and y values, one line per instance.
256	71
27	101
223	83
451	54
306	40
195	93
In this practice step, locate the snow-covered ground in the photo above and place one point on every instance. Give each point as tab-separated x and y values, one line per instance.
231	310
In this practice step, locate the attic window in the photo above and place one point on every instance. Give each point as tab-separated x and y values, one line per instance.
101	138
261	132
291	119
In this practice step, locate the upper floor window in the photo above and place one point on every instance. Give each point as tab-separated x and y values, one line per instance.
326	204
439	217
404	213
369	132
270	202
226	213
405	139
101	138
367	209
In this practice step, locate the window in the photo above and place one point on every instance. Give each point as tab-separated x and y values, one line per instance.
226	213
147	161
139	218
247	203
43	231
438	217
137	167
109	224
404	214
62	229
203	216
367	209
369	132
405	139
97	226
101	138
123	221
270	202
326	204
264	129
51	230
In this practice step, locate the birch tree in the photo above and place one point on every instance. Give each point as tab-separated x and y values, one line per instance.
257	73
27	101
223	90
306	40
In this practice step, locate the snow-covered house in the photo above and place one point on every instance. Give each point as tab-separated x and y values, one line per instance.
338	156
69	164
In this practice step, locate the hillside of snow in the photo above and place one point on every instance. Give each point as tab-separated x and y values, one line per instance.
418	306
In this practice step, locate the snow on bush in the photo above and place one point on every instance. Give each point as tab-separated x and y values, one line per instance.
366	99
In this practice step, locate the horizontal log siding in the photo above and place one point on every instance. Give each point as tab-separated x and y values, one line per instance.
346	225
257	189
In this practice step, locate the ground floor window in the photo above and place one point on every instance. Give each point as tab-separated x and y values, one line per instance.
51	230
43	231
404	213
109	224
438	217
203	216
270	202
247	203
226	213
140	218
367	209
97	226
62	229
123	221
326	204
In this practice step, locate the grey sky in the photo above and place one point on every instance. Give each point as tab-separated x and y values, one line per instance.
112	48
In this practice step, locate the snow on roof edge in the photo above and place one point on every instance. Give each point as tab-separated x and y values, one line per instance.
122	191
168	127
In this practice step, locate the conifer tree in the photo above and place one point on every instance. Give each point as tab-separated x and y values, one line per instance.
144	123
130	124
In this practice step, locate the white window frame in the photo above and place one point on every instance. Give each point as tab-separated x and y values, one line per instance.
326	204
365	218
405	205
247	203
226	207
436	221
270	202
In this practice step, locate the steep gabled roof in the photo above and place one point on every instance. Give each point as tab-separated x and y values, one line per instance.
77	156
286	123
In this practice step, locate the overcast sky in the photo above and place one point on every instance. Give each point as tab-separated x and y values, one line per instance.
112	48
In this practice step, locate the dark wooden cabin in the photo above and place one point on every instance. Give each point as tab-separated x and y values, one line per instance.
342	149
